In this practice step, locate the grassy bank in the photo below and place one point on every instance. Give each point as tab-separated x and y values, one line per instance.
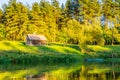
104	51
19	53
53	53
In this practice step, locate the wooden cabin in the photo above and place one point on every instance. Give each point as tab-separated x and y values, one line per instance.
33	39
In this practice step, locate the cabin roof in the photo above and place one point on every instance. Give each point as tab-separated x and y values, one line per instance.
36	37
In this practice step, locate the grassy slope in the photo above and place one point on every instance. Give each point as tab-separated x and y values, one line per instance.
13	48
105	49
49	53
105	52
115	48
53	48
20	46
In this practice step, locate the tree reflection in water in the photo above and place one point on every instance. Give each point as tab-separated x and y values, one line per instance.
88	71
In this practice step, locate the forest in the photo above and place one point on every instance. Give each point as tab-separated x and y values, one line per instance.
83	22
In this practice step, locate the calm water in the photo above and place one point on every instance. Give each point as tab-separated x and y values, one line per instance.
78	71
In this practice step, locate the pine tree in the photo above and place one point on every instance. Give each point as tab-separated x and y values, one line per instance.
1	26
50	18
16	19
39	26
23	21
55	3
89	11
69	9
1	15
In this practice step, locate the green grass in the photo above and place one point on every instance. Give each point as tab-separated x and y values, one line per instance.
53	48
115	48
19	53
104	51
99	48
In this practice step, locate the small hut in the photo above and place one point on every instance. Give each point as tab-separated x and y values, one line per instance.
33	39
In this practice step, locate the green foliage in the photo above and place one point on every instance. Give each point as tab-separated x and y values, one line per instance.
1	14
78	21
16	21
2	33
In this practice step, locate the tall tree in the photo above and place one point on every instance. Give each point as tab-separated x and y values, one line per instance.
39	26
110	12
49	17
89	11
1	14
1	26
69	8
16	19
76	31
55	3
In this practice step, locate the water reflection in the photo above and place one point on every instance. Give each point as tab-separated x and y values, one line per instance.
87	71
97	72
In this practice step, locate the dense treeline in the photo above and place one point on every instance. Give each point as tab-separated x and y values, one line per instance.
78	21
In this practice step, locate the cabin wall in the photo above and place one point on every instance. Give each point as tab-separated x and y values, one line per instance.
35	42
43	42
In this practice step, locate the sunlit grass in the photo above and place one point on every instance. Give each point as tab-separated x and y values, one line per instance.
99	48
19	53
20	46
115	48
13	46
105	51
65	49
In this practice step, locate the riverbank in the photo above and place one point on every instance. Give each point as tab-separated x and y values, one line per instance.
18	53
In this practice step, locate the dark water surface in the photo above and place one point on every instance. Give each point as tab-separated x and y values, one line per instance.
76	71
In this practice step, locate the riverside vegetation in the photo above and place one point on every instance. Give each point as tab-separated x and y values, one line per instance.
17	61
19	53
